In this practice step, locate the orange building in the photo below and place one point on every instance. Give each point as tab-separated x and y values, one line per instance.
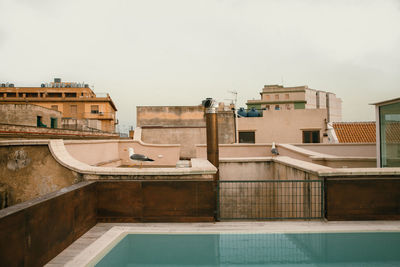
75	101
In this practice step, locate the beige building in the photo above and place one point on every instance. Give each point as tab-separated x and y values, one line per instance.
184	125
289	115
284	126
75	101
277	97
29	115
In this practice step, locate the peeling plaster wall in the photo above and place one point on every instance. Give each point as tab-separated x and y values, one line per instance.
31	171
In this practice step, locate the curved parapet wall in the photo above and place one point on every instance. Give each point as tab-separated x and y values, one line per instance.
199	169
114	153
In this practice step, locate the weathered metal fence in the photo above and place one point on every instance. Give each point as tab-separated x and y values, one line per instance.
270	199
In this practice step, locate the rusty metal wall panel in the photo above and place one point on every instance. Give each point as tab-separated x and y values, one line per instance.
363	199
12	240
119	201
178	201
166	201
32	233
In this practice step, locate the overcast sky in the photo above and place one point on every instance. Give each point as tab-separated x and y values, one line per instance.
177	52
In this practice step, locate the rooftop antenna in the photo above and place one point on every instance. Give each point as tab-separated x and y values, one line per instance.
235	93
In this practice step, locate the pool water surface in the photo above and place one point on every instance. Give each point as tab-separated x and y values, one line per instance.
293	249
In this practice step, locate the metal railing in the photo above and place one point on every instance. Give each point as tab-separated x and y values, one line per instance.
270	199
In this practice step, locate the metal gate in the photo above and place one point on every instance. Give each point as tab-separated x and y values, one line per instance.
270	199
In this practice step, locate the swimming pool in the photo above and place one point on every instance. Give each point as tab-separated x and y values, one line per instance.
261	249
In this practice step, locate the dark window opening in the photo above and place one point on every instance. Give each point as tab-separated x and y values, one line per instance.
53	122
277	107
247	137
39	122
11	94
70	94
54	94
31	94
54	107
94	109
311	137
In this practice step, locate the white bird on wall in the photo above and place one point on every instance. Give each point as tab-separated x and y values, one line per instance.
138	157
274	150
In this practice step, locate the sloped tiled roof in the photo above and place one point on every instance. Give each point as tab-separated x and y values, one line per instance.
355	132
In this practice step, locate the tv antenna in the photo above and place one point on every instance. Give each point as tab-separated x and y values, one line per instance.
235	93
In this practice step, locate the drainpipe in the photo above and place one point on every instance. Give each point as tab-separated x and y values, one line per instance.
212	146
212	133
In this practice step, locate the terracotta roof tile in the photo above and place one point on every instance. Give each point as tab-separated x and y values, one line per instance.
355	132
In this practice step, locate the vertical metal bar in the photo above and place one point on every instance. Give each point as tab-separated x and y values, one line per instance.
322	198
218	201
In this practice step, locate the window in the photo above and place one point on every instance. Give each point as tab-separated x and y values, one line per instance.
54	107
54	94
288	107
247	137
277	107
11	94
74	109
267	107
39	122
267	97
53	122
276	96
286	96
389	129
311	137
70	94
31	94
94	109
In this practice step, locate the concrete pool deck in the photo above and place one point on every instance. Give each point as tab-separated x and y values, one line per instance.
101	235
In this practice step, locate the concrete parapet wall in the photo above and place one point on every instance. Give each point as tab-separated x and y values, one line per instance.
344	150
113	152
237	150
11	131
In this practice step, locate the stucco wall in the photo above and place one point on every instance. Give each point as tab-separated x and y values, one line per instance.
348	150
237	150
30	171
93	153
114	153
284	126
186	137
184	125
245	169
170	116
26	114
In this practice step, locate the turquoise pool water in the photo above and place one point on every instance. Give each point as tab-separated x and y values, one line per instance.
310	249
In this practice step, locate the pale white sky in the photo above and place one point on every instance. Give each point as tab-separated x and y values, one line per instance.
178	52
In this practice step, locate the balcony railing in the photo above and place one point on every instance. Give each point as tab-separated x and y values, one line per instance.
99	115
